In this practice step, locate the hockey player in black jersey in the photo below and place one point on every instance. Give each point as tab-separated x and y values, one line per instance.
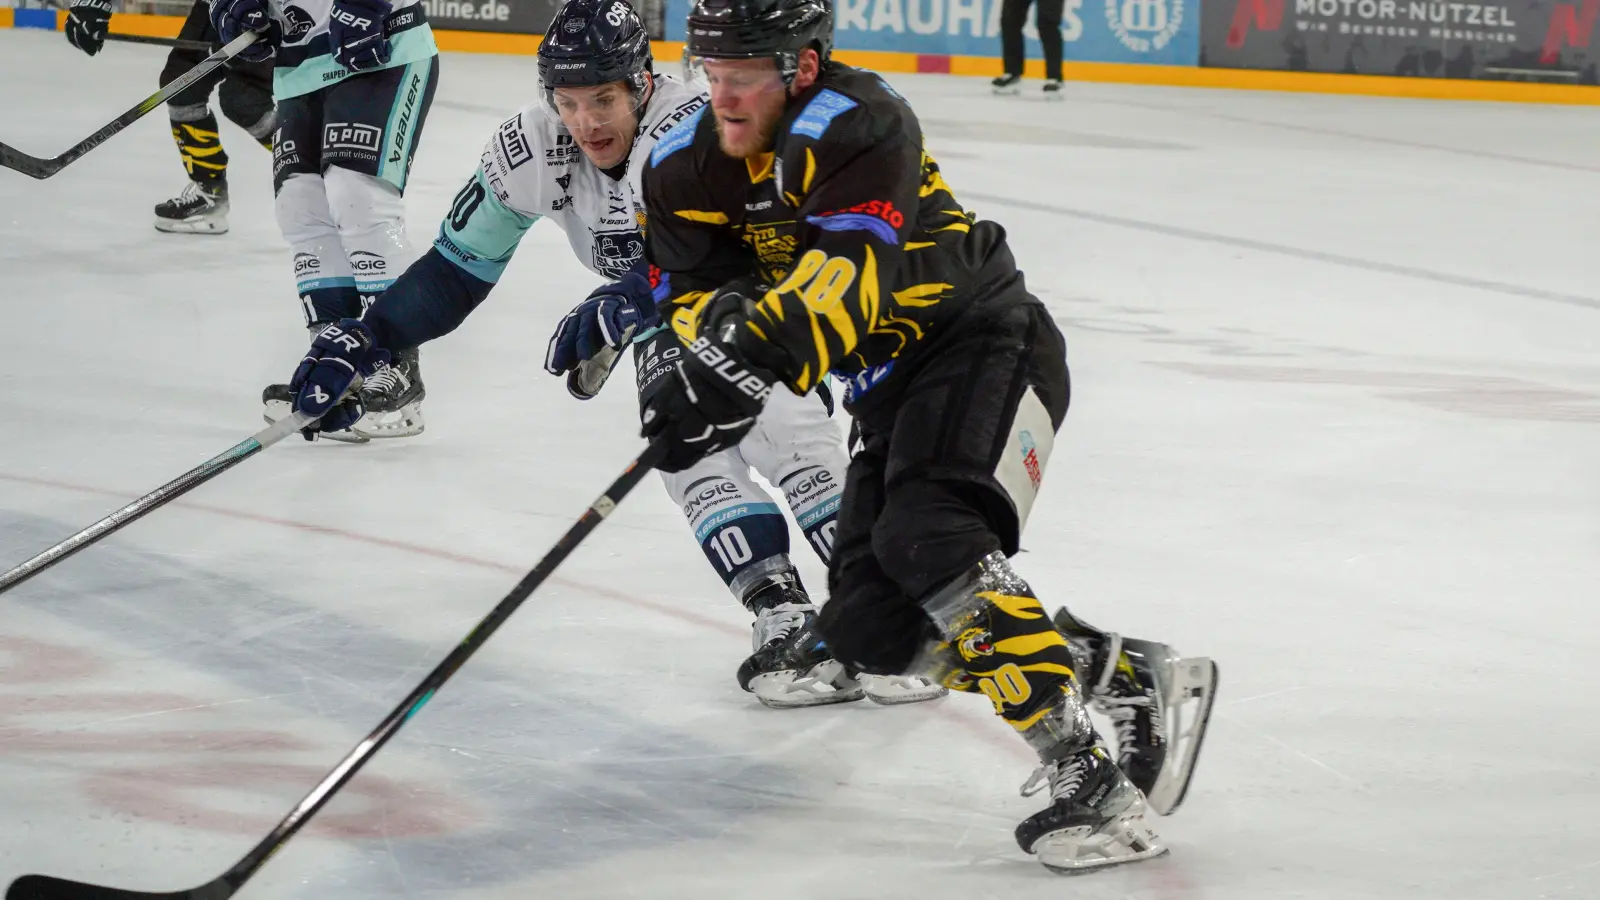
797	228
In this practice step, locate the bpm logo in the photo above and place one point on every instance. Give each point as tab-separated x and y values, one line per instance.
514	143
351	136
1144	25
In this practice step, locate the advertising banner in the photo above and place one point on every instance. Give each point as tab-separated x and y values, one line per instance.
1115	31
517	16
1518	40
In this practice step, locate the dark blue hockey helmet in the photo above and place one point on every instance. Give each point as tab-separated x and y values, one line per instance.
595	42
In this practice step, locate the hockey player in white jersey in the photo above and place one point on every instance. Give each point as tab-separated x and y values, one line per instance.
353	81
575	157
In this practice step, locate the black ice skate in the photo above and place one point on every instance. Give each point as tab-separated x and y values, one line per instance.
277	403
1052	89
791	666
1095	819
393	398
197	210
1158	704
1007	85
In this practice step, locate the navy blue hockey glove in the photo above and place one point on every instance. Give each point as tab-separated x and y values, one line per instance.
232	18
355	32
87	23
710	400
339	353
589	341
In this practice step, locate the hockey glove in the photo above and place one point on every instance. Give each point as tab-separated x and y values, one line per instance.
355	32
232	18
589	341
710	400
87	23
322	384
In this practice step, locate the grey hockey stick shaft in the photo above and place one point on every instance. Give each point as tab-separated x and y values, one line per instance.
157	498
180	43
45	887
38	167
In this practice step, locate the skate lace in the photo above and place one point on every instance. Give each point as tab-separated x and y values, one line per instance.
384	380
1063	778
778	623
192	192
1124	713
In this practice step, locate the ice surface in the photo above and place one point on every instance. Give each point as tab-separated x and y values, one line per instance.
1336	423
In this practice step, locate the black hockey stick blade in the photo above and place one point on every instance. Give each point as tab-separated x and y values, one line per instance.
180	43
43	887
37	167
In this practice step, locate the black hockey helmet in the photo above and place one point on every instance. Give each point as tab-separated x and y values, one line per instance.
750	29
595	42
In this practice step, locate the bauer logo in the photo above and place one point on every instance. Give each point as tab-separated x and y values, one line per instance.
403	128
351	136
1144	25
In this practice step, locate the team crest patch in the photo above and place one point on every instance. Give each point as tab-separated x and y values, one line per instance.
820	113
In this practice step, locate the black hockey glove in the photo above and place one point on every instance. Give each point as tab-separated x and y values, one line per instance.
87	23
322	383
709	399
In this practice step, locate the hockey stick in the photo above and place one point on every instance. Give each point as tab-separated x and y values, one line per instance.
179	43
44	887
36	167
157	498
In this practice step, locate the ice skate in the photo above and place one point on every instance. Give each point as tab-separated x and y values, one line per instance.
197	210
895	690
393	399
791	665
1007	85
1052	89
1159	705
1095	819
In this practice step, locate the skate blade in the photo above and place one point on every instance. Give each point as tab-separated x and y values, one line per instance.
191	226
823	684
1189	700
276	410
403	422
1013	91
897	690
1075	851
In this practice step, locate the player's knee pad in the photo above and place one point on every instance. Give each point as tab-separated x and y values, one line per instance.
370	214
742	532
249	107
931	532
322	273
995	638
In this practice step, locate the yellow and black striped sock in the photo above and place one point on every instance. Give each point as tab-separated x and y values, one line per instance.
200	147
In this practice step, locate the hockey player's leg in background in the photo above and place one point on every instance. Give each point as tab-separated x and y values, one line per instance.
796	446
935	502
365	166
323	278
202	206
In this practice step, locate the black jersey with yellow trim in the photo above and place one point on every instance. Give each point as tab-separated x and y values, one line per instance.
849	220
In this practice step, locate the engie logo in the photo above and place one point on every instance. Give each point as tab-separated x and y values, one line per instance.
1266	15
1144	25
306	264
363	262
813	481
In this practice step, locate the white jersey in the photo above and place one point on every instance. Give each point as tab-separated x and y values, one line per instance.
304	61
532	169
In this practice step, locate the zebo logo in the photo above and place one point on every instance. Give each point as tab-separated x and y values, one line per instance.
1144	25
